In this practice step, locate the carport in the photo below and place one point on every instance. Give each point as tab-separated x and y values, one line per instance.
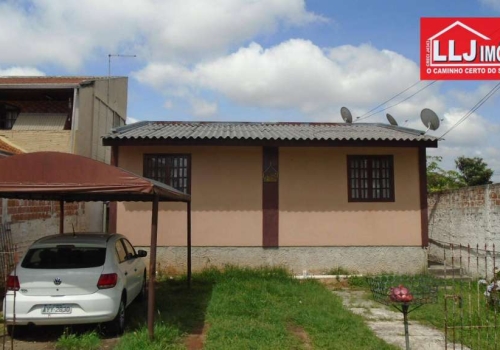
67	177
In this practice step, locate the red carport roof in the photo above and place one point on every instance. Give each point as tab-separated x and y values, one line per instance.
69	177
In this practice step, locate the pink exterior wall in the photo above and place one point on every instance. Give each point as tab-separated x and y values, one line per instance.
314	208
314	211
227	199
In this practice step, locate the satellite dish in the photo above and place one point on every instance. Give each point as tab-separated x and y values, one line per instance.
429	118
346	114
391	119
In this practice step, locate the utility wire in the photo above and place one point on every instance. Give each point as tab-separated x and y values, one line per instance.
392	98
474	108
403	100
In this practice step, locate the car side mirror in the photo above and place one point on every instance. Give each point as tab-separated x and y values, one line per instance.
142	253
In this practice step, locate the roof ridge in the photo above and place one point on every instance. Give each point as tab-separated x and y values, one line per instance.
199	122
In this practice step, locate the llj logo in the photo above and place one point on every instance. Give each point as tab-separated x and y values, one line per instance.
460	48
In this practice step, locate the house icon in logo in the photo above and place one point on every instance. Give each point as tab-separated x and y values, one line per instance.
441	57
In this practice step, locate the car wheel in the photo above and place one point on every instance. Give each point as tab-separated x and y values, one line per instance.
117	326
143	293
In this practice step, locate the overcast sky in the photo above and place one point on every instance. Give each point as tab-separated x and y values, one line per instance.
256	60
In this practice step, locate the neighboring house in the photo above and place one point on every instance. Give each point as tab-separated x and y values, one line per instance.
64	114
310	196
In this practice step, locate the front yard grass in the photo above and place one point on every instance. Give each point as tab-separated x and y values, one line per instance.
249	309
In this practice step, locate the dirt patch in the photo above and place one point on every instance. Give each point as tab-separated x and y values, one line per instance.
301	334
195	340
333	283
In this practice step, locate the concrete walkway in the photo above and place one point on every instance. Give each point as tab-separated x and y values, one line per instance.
388	324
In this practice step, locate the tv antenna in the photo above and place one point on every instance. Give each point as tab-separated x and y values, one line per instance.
430	119
346	114
391	119
115	55
109	68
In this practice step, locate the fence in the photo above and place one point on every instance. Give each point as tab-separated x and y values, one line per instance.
7	252
471	293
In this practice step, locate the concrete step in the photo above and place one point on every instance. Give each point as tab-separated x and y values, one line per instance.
441	271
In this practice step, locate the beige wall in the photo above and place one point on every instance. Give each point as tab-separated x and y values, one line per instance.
95	115
38	140
314	210
83	123
227	199
118	88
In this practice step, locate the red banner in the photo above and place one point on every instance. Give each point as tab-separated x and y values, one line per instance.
460	48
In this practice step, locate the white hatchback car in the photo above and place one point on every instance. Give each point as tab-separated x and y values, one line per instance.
75	279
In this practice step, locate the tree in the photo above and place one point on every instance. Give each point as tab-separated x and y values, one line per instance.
439	179
474	171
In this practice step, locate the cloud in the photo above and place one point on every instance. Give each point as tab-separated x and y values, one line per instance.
68	32
202	108
489	154
131	120
469	98
21	71
475	137
494	4
168	104
297	74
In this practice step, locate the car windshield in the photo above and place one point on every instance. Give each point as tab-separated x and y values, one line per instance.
64	257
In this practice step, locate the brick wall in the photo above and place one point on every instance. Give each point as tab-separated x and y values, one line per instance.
466	216
32	220
38	141
22	210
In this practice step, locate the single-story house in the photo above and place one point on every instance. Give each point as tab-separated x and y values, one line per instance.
309	196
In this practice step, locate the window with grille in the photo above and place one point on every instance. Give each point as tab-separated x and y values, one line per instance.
171	169
370	178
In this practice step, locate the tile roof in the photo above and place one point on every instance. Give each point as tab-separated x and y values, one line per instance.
9	147
43	80
266	131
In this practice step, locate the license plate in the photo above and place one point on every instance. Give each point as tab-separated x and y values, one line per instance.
56	309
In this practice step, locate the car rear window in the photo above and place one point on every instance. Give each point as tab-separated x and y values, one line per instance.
64	257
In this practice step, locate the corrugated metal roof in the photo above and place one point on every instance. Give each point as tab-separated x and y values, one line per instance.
40	121
266	131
